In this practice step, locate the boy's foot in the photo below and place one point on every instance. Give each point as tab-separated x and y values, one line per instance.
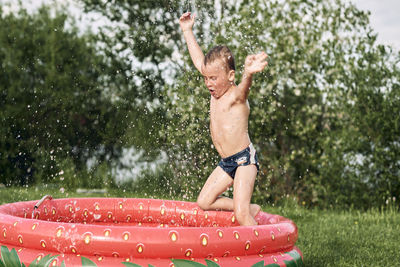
254	209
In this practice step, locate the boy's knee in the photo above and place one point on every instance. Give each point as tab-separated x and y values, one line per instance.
203	203
242	215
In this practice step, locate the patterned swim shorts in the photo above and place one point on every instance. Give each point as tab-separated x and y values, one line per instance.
243	158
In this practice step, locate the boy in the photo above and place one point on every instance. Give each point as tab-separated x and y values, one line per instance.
229	112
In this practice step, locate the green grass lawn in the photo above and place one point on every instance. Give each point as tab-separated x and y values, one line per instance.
346	238
327	238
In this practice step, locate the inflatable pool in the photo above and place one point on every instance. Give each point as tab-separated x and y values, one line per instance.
110	231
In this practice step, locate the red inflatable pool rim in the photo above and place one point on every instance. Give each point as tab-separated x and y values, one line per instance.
110	231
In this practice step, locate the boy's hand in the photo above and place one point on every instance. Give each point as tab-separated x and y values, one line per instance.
255	63
186	21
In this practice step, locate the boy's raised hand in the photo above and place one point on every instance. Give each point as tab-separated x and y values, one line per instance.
187	21
255	63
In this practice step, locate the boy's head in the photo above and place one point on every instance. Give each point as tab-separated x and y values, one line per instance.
223	53
219	70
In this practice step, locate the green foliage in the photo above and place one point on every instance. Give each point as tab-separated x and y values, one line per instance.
191	159
87	262
44	262
296	261
9	258
259	264
157	184
129	264
325	103
57	112
51	101
211	263
322	114
187	263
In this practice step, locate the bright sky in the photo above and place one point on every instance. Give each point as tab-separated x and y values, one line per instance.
384	19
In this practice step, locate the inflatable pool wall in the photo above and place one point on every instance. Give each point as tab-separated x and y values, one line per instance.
110	231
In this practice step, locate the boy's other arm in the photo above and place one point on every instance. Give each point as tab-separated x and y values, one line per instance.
253	64
186	22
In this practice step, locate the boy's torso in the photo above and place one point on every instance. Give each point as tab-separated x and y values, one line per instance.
229	124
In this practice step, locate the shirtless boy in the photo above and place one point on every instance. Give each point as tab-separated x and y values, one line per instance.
229	113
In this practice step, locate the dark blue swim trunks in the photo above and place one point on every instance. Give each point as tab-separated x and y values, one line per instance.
243	158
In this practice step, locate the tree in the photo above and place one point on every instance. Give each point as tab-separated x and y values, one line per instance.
144	38
312	122
55	112
308	116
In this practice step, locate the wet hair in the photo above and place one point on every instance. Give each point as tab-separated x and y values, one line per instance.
221	52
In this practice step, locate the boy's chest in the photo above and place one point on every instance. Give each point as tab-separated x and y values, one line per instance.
226	111
218	108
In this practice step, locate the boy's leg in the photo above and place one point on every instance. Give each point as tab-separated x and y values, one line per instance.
242	191
217	183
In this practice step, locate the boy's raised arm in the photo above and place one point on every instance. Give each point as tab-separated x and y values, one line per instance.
253	64
186	21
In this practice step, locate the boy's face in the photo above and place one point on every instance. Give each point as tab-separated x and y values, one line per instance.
217	79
